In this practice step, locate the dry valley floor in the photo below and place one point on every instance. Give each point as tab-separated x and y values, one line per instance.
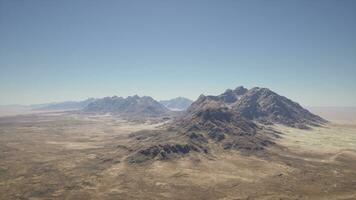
70	156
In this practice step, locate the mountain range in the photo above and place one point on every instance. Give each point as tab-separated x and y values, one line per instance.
133	105
257	104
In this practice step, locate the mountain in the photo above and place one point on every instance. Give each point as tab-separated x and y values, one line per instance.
67	105
179	103
132	105
262	105
234	120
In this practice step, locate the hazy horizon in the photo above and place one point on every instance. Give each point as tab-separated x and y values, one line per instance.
53	51
193	99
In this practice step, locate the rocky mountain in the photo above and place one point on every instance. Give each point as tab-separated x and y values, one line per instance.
260	104
234	120
177	104
132	105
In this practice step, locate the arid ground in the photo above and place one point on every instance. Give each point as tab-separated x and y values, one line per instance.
65	155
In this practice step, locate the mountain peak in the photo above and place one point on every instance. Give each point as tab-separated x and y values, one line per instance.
240	90
260	104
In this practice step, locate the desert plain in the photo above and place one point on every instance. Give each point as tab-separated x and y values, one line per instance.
66	155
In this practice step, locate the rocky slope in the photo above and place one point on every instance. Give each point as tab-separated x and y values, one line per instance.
132	105
203	132
227	128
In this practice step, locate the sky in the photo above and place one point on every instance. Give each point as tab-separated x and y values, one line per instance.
54	51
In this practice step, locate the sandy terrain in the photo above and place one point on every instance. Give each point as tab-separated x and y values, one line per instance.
70	156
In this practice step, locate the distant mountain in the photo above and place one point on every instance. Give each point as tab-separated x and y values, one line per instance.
260	104
67	105
132	105
179	103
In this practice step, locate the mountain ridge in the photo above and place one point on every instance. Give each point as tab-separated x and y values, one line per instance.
135	105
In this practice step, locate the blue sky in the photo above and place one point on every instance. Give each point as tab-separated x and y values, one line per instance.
72	50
